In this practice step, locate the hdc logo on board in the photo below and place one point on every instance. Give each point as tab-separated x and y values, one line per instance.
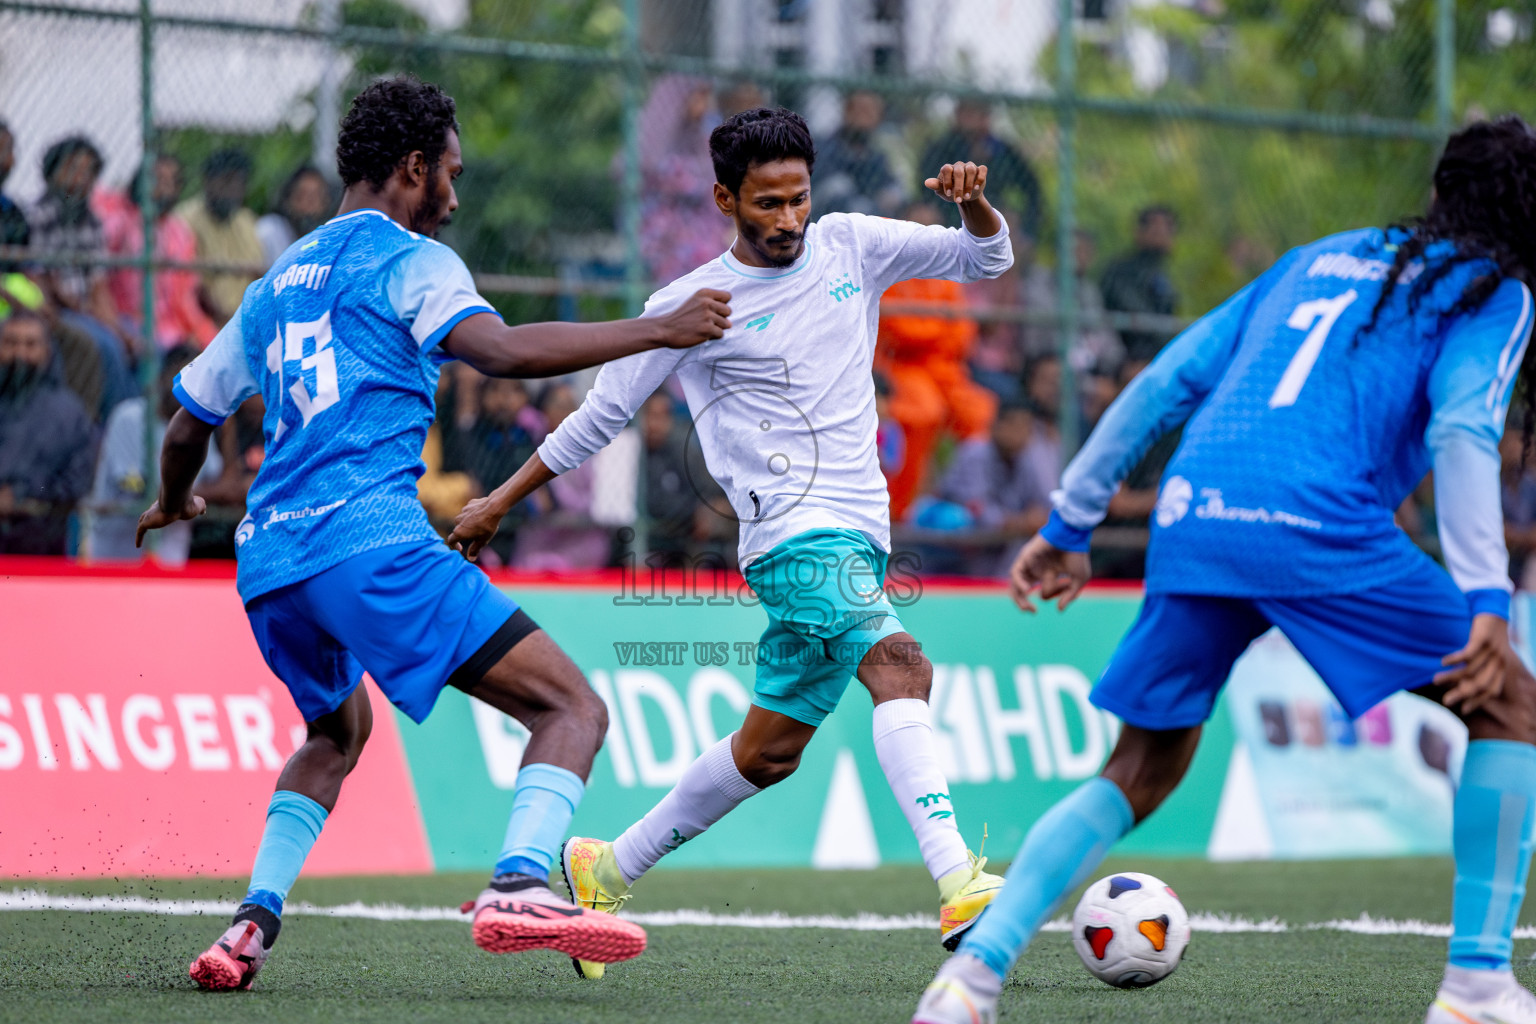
1036	721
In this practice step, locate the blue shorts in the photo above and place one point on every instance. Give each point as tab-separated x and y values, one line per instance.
823	592
414	616
1366	646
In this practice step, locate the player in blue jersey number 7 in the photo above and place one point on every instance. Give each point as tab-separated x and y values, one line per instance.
338	567
1317	398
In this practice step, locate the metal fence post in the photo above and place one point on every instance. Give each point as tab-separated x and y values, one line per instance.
1445	63
629	220
149	361
1068	417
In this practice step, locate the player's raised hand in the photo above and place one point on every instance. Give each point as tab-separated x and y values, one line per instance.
475	525
1482	667
959	183
155	518
1058	574
705	316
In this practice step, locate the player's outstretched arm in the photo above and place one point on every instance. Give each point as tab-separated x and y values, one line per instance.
962	184
181	457
488	344
477	523
1058	574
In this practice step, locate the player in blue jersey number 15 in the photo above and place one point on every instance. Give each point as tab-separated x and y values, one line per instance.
340	570
1316	399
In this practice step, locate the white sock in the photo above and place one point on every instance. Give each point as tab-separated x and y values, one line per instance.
1476	985
904	744
708	790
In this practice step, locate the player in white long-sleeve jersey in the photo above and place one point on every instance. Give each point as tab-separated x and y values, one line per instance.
784	407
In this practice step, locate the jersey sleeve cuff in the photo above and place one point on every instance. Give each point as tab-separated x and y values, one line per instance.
191	405
1061	534
436	337
1493	601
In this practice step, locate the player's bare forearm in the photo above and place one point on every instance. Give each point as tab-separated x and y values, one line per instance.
488	344
479	520
979	218
181	458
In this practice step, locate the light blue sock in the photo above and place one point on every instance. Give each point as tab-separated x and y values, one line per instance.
294	822
1061	849
1494	811
541	812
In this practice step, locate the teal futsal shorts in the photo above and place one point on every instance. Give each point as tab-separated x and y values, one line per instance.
824	594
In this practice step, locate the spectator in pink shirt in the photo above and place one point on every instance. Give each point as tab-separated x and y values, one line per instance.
179	318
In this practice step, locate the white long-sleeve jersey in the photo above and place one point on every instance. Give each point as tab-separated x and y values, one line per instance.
784	404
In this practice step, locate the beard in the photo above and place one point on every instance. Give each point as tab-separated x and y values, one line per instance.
761	244
428	217
17	378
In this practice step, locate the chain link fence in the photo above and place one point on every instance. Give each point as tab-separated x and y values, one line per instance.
1151	156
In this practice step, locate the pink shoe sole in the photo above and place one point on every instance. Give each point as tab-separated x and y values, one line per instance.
215	970
514	926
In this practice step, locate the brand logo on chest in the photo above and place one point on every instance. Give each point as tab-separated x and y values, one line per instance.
842	287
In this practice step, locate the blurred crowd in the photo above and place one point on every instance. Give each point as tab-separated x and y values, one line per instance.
969	379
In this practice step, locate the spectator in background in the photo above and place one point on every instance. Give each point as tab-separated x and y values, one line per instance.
118	491
1138	281
303	203
563	537
924	357
890	439
853	171
671	504
13	222
225	231
496	446
63	224
179	317
682	228
737	95
1042	396
1010	179
993	479
47	443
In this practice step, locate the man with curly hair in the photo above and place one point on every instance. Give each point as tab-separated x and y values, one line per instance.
339	569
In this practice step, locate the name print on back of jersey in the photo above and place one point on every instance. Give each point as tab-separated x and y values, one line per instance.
302	275
842	287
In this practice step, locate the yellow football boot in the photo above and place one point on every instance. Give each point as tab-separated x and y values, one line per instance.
593	877
963	894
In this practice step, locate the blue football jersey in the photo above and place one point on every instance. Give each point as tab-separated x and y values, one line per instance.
340	338
1306	432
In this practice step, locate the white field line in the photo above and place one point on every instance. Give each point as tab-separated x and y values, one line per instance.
34	899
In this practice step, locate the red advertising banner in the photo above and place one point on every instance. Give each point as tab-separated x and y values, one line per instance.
141	733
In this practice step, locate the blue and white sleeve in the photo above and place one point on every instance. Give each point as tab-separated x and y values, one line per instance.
1469	391
212	386
1160	398
431	290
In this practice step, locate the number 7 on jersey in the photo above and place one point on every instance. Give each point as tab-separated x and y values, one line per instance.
1320	315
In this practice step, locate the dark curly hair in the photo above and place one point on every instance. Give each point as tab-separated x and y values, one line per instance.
758	136
1485	207
388	121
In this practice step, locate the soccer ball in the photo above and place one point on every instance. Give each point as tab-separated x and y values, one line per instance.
1130	929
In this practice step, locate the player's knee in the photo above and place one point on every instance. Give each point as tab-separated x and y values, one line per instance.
594	712
767	766
897	670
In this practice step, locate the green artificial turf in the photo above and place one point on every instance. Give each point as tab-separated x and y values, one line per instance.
131	968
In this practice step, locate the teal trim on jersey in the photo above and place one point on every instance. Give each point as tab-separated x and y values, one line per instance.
734	265
824	594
